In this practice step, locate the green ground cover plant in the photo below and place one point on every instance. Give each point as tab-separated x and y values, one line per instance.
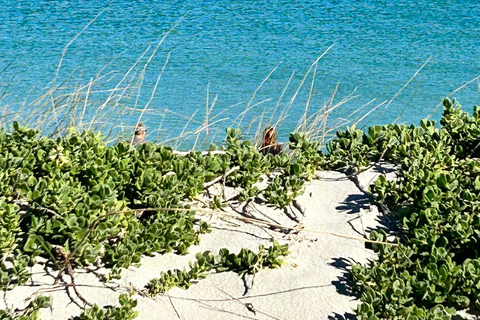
436	196
77	201
30	312
246	261
295	168
124	312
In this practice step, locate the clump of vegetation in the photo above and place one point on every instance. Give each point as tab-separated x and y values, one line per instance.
76	201
31	312
246	261
79	196
435	270
295	168
123	312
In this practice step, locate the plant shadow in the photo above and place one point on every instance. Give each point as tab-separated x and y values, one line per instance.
357	203
343	285
354	203
346	316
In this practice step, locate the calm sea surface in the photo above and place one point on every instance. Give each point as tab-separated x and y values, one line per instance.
228	49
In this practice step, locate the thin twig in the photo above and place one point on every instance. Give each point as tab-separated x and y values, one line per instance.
173	306
73	40
247	305
289	291
354	178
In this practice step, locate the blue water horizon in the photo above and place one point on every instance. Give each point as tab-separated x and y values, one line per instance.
224	51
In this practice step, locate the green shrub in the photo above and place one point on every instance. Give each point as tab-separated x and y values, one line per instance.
436	197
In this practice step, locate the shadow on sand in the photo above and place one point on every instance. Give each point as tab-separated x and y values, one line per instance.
354	204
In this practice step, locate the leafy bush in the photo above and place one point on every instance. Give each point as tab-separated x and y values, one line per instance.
436	196
294	169
13	265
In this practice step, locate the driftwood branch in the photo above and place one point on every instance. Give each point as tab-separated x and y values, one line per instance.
207	185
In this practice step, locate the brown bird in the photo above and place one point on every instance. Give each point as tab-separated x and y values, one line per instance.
269	142
140	133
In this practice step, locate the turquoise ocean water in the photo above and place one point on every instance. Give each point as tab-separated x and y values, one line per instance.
226	49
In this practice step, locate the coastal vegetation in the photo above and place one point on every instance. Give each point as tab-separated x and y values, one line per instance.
434	270
246	261
77	201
